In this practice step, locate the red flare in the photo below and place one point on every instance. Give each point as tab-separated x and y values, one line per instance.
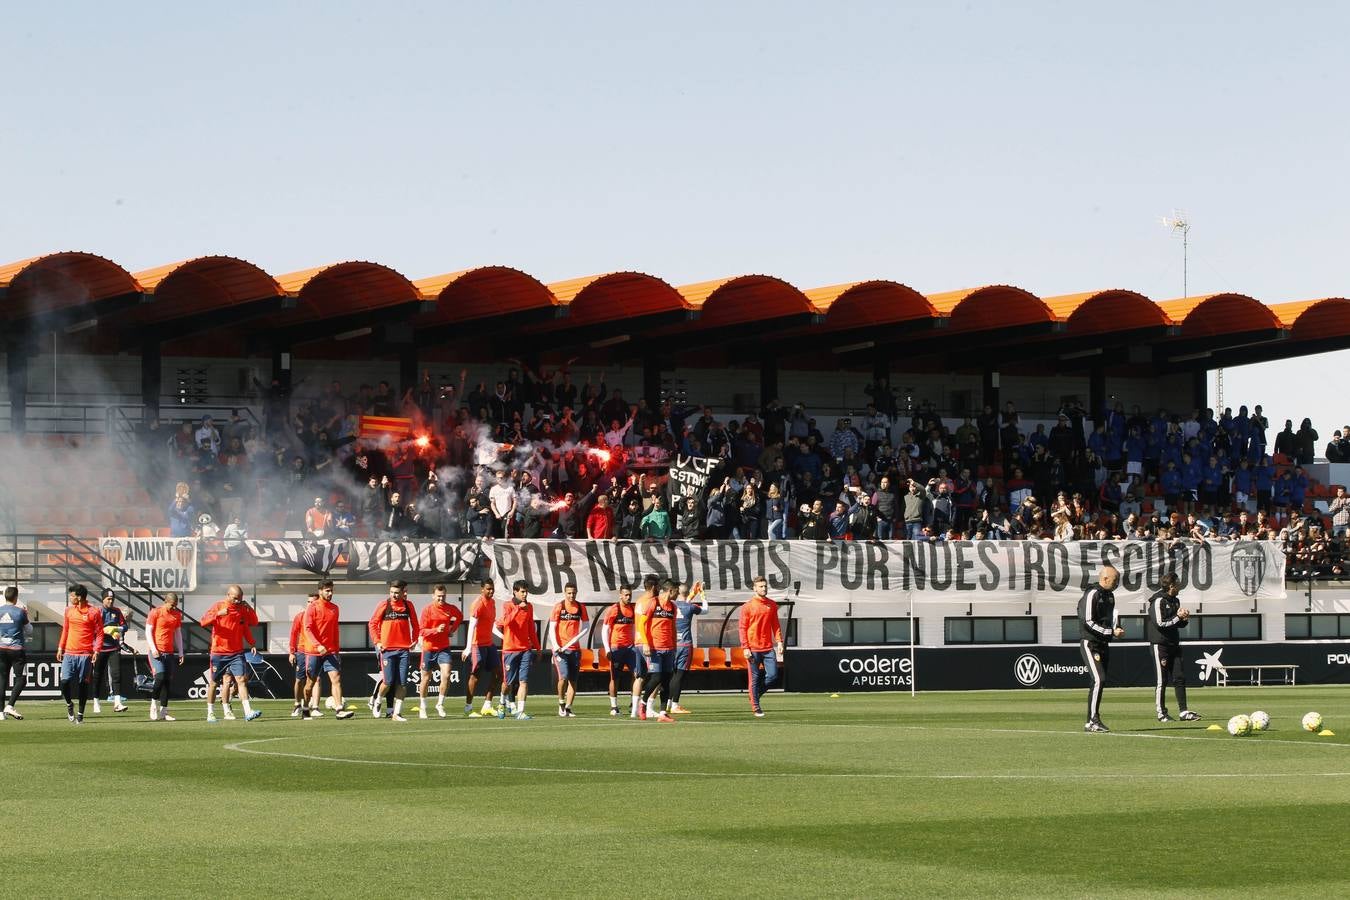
422	442
603	455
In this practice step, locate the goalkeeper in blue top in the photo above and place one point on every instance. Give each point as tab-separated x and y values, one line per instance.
690	602
15	631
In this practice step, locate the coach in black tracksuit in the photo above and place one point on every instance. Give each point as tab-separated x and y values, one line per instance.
1166	618
1098	626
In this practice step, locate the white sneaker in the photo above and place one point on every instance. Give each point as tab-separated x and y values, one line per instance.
12	712
2	715
96	707
375	712
165	717
316	714
421	712
120	707
562	713
440	711
229	714
295	712
398	718
154	712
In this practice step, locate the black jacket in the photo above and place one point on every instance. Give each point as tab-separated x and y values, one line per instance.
1097	615
1163	623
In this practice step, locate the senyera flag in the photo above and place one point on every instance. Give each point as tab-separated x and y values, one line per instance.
381	426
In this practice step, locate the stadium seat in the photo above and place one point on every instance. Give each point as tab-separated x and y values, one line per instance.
119	532
738	660
701	657
717	658
142	532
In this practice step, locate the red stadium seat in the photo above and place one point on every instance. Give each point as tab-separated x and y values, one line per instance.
141	532
717	658
738	660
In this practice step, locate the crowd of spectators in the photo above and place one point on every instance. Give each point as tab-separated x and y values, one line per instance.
536	455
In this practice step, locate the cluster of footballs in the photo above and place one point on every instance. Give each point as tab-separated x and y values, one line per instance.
1240	726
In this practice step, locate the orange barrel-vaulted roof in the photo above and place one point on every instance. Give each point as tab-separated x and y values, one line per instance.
1214	314
204	284
1311	320
482	292
1096	312
344	288
617	295
58	281
992	306
861	304
744	298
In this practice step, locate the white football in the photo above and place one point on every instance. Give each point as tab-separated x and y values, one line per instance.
1239	726
1260	720
1312	722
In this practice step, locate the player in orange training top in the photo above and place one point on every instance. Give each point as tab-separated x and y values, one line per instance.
393	629
520	641
81	635
567	628
658	637
484	660
440	621
762	638
231	622
164	647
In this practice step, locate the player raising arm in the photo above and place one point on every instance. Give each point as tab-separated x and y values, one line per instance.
762	638
690	603
164	647
440	621
567	628
484	661
393	628
616	636
231	622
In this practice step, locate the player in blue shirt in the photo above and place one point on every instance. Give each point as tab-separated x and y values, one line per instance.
689	603
15	630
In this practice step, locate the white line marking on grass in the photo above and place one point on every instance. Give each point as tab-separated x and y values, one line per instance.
245	747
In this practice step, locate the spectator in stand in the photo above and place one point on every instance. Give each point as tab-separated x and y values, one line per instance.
750	515
572	516
1286	441
1336	449
812	522
343	522
775	513
887	509
477	520
630	519
318	519
182	516
206	432
600	520
690	521
915	510
502	501
863	519
656	523
1305	443
1339	508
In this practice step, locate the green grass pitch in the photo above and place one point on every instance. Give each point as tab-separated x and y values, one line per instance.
941	795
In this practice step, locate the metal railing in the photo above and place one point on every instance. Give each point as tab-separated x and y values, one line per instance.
111	418
66	559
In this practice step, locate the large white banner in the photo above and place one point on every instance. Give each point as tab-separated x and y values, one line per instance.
158	564
896	571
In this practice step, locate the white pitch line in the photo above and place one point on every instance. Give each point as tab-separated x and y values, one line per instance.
242	747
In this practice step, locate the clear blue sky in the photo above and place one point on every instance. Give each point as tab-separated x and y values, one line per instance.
943	146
